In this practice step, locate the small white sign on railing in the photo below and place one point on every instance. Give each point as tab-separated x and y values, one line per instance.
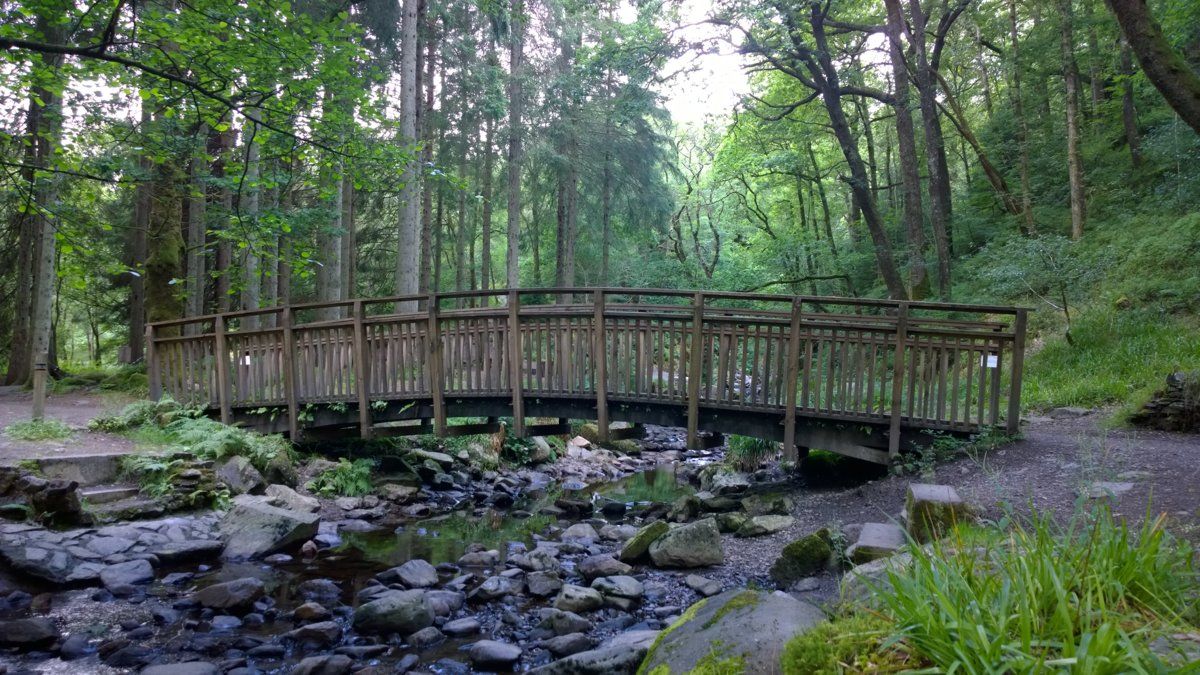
989	361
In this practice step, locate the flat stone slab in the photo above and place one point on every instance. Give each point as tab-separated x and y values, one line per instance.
932	510
1106	489
877	540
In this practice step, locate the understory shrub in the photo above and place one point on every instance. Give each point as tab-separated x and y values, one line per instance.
347	479
747	453
38	430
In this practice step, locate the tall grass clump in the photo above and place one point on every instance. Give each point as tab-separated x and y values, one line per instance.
1087	597
747	453
38	430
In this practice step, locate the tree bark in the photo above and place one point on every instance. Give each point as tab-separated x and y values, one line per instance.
197	217
427	133
1027	227
142	195
906	144
408	255
515	132
489	166
1128	109
248	208
1164	67
1074	159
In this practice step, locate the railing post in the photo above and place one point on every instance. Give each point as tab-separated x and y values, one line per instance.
435	367
222	353
898	381
600	364
695	359
793	368
1013	420
360	372
40	373
289	374
153	376
514	363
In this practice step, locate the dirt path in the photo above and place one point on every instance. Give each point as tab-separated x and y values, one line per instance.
75	410
1055	462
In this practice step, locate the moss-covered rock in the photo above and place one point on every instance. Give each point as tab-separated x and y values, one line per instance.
731	522
637	547
802	558
685	509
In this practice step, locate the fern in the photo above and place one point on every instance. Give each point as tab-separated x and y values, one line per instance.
347	479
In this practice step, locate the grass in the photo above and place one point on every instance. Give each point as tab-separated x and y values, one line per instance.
38	430
747	453
1118	357
855	643
1089	596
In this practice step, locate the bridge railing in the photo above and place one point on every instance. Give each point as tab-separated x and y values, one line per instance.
938	366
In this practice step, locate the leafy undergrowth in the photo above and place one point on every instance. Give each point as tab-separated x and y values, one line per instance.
38	430
1118	357
346	479
129	380
1087	597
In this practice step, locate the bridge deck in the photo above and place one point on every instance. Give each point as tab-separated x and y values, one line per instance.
781	367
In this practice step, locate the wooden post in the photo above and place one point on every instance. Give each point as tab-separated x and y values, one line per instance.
289	374
153	376
360	372
435	368
600	363
696	358
222	354
39	385
898	381
793	368
1013	420
514	363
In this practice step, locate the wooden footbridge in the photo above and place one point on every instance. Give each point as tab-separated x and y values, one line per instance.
866	378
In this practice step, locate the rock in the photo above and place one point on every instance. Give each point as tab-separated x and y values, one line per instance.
860	582
322	633
236	595
127	574
685	509
192	550
493	655
580	533
26	634
417	573
1175	407
1067	413
479	559
286	498
1106	490
696	544
326	664
106	546
637	547
767	504
74	647
932	510
239	475
311	611
565	645
702	585
618	533
542	452
562	622
189	668
620	586
723	480
752	626
494	588
538	560
403	612
802	558
574	598
55	502
619	656
420	455
805	585
877	540
252	529
399	494
425	638
602	565
590	433
717	503
543	584
281	470
758	526
731	522
348	503
461	627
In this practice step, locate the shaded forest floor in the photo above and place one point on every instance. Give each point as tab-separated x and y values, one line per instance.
74	409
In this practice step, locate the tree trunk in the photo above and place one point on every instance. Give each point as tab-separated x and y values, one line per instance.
1074	160
606	189
489	165
197	215
1128	110
427	133
142	195
515	132
1027	227
906	147
349	240
223	151
408	256
248	208
1164	67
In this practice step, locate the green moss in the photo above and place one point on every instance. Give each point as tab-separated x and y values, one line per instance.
857	643
802	558
715	663
688	615
743	599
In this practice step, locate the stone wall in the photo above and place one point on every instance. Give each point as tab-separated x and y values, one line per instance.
1175	407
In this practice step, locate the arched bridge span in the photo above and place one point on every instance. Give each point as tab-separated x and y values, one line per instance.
863	377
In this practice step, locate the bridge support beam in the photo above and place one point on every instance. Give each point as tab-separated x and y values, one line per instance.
514	363
695	359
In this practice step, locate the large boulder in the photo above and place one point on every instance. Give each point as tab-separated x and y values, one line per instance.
747	627
32	633
493	655
239	475
638	546
696	544
403	612
723	480
238	595
767	504
126	574
802	558
253	528
286	498
578	599
619	656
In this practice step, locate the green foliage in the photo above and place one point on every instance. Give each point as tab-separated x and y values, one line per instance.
946	447
38	430
747	453
347	479
1090	595
141	414
152	471
1118	356
852	643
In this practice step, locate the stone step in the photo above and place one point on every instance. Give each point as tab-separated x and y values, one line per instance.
108	494
87	470
877	540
